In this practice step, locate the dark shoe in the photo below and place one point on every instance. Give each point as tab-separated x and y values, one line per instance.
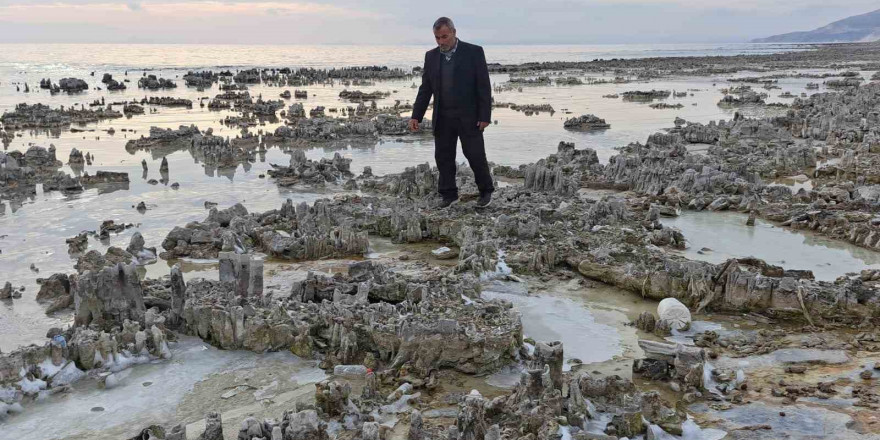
445	203
485	200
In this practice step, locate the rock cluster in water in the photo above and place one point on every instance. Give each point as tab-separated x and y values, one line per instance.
586	122
397	330
39	116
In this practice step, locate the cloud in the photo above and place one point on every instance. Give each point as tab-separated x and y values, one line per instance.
397	21
57	11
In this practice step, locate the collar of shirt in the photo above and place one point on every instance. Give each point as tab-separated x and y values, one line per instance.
448	54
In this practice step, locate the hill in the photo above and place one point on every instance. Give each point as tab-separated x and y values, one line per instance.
858	28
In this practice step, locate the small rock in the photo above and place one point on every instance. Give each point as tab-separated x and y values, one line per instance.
796	369
444	253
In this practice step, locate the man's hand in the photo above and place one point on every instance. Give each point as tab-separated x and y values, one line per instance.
413	125
482	125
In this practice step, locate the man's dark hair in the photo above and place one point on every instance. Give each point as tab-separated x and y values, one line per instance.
444	21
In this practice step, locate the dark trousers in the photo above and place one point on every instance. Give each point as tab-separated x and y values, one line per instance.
447	132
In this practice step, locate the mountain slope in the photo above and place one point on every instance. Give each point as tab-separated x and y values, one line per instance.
864	27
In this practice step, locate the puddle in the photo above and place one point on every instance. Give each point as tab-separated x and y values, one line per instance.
507	377
794	183
590	332
787	356
384	248
727	236
131	406
799	422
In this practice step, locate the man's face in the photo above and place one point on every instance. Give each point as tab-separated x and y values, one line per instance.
445	38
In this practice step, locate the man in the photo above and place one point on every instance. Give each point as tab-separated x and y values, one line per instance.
456	75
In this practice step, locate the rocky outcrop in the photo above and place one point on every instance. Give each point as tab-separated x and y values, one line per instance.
203	79
586	122
39	116
132	109
152	82
76	158
645	96
392	125
244	272
167	101
20	173
737	285
322	129
205	147
351	317
56	291
72	85
530	109
108	295
294	233
93	260
309	172
103	178
39	371
142	254
561	173
360	96
742	95
112	84
665	361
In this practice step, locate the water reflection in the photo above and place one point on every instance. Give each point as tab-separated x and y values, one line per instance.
40	222
718	236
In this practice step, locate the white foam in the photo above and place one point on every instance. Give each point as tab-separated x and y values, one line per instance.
32	387
130	406
692	431
501	268
115	379
7	395
440	250
565	432
67	375
48	369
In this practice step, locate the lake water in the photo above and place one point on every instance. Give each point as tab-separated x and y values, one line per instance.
34	230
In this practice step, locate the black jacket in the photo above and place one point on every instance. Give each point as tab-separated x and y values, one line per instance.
470	84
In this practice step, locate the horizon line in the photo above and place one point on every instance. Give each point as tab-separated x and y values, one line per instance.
405	44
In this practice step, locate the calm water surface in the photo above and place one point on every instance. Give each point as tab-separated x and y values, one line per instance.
34	230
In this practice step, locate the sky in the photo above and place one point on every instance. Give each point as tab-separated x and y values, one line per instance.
409	21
